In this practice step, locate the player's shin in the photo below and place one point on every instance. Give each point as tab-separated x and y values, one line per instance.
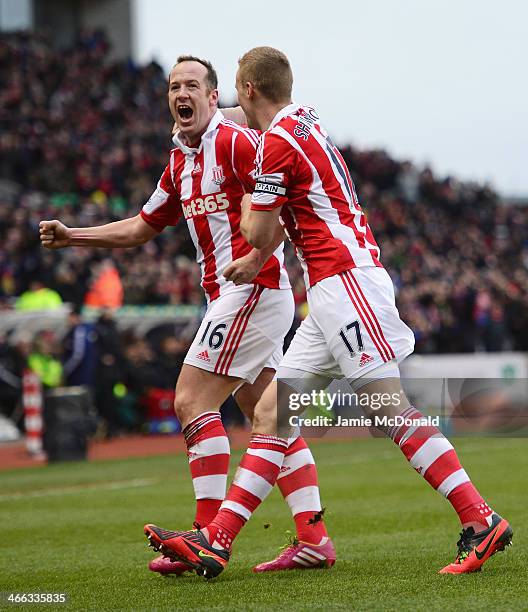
208	452
298	484
254	479
432	455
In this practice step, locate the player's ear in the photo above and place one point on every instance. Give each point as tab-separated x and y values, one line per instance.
213	97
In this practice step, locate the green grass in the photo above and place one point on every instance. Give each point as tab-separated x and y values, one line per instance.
77	528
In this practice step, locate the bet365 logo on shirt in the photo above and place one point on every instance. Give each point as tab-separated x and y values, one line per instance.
203	206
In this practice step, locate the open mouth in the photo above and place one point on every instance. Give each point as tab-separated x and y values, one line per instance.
185	112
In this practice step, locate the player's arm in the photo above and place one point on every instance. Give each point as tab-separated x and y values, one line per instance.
266	252
126	233
275	161
163	208
261	228
245	269
247	168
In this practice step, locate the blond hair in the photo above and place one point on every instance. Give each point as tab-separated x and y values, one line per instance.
270	72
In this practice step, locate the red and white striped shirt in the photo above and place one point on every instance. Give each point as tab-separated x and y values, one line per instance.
205	185
300	169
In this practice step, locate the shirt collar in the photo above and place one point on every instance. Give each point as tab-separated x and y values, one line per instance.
284	112
216	119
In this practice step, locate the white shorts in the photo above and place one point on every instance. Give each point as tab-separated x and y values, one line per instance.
243	332
352	328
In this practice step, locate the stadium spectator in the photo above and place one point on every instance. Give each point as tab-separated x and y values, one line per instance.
106	290
13	360
38	297
44	359
169	360
80	352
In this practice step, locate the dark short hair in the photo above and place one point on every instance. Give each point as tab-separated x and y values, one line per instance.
212	77
270	72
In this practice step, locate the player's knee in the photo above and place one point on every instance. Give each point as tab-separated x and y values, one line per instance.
265	419
183	405
247	399
386	405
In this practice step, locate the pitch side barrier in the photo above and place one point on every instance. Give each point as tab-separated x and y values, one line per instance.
480	394
60	432
139	318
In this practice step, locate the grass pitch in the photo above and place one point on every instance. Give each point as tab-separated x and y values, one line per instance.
77	529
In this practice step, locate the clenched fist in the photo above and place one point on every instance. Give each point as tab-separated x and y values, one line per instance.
54	234
244	269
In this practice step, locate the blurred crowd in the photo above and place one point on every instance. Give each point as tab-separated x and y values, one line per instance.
85	140
458	257
130	379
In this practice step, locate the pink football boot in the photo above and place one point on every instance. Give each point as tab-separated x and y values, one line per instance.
300	555
164	566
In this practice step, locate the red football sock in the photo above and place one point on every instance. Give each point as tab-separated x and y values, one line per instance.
310	527
206	510
298	484
208	453
470	506
224	528
253	482
431	455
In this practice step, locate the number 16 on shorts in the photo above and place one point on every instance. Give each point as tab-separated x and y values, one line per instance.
213	336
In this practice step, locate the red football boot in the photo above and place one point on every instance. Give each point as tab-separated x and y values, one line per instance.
474	549
189	547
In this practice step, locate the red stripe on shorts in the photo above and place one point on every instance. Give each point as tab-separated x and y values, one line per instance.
376	322
232	331
363	316
243	328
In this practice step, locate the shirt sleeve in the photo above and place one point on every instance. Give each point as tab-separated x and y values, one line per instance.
164	205
274	162
244	151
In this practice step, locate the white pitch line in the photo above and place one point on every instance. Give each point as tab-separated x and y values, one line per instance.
109	486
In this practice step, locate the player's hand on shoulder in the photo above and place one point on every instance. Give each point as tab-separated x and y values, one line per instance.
54	234
244	269
235	114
